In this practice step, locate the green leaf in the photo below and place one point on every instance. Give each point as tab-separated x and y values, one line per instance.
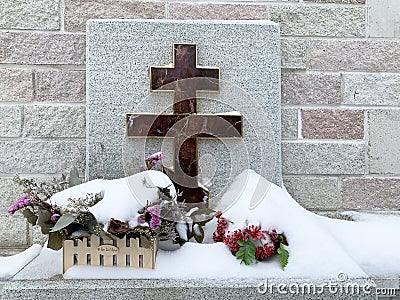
43	216
203	211
30	216
63	222
90	221
246	252
283	255
74	177
55	241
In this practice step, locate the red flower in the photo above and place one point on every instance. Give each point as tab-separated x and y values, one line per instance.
273	235
254	232
262	252
221	227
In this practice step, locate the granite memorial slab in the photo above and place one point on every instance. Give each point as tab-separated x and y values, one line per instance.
237	69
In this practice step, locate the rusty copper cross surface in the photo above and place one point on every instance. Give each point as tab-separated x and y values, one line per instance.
185	125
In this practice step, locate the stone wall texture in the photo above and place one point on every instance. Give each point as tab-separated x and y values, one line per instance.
340	94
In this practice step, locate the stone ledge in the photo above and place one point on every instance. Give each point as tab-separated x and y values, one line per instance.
174	289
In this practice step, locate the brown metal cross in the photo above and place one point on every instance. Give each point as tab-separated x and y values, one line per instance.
185	78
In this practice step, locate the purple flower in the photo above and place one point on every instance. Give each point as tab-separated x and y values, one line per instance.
155	157
22	202
154	210
140	220
54	217
155	222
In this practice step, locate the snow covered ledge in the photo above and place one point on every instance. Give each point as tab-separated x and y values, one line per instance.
329	259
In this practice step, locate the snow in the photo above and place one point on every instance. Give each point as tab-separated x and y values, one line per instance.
320	248
46	265
372	241
122	198
10	265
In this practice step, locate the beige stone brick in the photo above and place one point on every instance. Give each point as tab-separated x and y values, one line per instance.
337	1
16	85
77	12
319	20
55	121
355	55
60	86
332	124
311	88
323	158
192	11
41	157
384	141
371	193
29	14
10	121
316	193
42	48
289	123
371	88
294	53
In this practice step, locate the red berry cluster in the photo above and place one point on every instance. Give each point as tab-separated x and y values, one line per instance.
219	234
264	247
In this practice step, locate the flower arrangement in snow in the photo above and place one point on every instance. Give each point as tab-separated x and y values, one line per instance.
164	219
252	243
36	207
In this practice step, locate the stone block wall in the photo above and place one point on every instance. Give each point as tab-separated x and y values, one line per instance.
340	94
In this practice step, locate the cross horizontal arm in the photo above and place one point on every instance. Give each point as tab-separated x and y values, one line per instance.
190	125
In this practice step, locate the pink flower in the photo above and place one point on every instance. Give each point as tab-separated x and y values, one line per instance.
154	210
155	157
54	217
155	222
22	202
140	220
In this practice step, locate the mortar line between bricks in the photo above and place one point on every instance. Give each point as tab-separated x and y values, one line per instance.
62	15
39	175
327	141
312	176
340	106
317	4
366	138
43	139
41	31
49	103
54	104
319	71
228	2
44	67
341	38
343	176
166	8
